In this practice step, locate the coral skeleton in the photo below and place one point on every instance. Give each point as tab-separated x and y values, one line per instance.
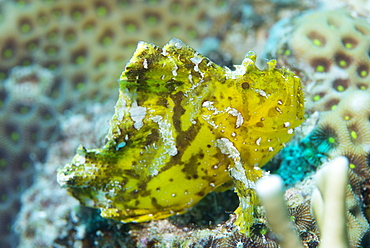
270	189
328	204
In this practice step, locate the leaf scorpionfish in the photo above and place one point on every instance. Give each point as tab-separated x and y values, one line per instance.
183	126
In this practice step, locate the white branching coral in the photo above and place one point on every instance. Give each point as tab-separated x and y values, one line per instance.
328	204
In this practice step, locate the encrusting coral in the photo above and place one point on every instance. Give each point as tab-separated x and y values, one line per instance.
336	74
183	127
28	121
327	49
86	43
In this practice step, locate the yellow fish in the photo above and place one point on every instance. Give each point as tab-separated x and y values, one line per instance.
183	126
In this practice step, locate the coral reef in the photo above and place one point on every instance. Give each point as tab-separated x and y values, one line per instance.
28	122
271	192
49	216
250	23
337	226
329	203
80	47
327	49
335	72
87	43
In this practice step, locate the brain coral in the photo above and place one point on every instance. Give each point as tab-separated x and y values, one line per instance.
330	49
346	131
87	42
28	121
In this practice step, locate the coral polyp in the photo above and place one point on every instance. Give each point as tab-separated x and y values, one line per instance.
183	127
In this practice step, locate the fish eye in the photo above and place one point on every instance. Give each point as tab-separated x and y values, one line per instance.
245	85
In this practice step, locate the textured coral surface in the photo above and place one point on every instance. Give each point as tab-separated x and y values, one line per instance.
330	50
87	43
28	122
77	50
